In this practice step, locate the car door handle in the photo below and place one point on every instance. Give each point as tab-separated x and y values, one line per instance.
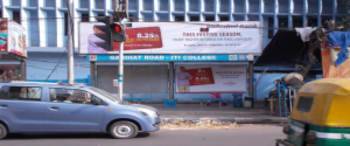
54	108
3	105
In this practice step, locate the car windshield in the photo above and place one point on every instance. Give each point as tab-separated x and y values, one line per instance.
105	94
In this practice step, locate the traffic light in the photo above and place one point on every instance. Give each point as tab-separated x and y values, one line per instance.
117	32
103	32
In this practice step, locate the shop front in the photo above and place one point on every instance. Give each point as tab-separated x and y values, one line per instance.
188	78
183	61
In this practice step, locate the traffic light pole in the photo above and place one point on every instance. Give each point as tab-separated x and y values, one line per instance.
121	71
119	7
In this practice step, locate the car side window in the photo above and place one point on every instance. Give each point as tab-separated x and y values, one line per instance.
71	96
21	93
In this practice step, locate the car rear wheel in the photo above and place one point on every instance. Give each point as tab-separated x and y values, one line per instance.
3	131
123	130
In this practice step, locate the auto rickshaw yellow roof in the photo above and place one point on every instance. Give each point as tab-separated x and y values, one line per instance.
329	103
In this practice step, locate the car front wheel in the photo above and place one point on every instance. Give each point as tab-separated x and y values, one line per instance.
123	130
3	131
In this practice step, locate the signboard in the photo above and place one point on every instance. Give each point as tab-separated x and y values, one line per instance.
12	38
211	79
167	57
239	37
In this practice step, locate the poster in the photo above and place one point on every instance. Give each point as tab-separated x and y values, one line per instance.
16	39
244	37
211	78
12	38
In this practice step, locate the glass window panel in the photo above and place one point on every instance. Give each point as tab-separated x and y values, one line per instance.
148	5
133	5
269	6
298	6
50	3
283	6
194	5
209	5
239	6
33	3
84	4
312	6
100	4
164	4
254	6
179	5
224	5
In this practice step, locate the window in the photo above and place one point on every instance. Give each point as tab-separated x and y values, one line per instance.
179	5
282	22
85	17
64	4
21	93
269	6
297	21
312	21
194	5
224	18
224	6
209	5
305	103
148	5
194	18
179	18
99	4
73	96
239	6
50	3
209	18
84	3
17	16
65	23
33	3
15	2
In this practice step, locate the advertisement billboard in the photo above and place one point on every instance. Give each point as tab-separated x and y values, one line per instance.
12	38
239	37
211	78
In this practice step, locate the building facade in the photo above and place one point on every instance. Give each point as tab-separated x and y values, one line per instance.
46	25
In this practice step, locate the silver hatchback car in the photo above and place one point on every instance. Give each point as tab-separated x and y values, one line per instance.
34	107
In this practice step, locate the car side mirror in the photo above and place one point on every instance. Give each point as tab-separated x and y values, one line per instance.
95	101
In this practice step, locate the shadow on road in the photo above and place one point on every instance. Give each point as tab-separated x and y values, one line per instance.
65	136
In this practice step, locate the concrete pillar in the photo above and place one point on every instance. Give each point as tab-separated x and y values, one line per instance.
251	81
93	73
23	69
171	80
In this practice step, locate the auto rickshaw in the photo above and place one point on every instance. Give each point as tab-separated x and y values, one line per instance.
321	115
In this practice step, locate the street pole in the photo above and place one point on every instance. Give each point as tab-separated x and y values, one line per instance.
70	50
121	70
120	6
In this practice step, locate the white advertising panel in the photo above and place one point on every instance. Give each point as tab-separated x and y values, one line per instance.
211	78
177	38
16	39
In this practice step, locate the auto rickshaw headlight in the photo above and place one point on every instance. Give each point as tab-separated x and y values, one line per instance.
311	137
286	129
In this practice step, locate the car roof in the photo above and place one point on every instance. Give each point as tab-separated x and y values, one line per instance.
47	84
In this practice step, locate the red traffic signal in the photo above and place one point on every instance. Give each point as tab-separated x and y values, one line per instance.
117	28
117	32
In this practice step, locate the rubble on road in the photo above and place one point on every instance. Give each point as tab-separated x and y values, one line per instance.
205	124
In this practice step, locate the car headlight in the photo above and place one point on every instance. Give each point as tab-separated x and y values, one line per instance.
147	112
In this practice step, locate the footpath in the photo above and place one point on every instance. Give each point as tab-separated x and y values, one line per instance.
228	113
